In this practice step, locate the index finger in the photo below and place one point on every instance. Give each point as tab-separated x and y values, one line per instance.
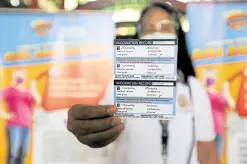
85	112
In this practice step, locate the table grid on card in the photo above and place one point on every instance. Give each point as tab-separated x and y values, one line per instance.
145	74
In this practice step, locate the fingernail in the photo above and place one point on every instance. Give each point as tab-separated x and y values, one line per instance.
112	110
116	121
121	127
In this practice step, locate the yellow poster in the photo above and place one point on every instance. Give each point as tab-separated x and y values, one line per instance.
49	63
219	50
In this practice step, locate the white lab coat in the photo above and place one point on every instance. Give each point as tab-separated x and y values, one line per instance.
140	143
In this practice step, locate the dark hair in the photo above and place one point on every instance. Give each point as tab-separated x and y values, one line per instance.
184	60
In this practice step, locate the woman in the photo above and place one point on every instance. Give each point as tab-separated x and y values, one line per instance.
19	102
141	141
219	102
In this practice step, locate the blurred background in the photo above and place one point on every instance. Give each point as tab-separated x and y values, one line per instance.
217	43
126	12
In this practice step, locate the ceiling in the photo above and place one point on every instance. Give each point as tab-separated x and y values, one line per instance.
96	4
101	4
113	5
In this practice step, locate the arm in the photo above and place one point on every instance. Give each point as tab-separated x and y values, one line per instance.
207	153
146	151
35	92
204	127
227	95
3	114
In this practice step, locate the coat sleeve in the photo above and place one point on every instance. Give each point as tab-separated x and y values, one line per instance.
204	126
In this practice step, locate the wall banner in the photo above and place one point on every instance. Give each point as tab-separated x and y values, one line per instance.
50	62
218	44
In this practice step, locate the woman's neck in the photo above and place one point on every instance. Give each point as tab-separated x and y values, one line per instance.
211	89
20	87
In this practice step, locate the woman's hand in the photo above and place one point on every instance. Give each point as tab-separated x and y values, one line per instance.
35	92
6	115
95	126
33	84
207	153
230	103
226	87
10	116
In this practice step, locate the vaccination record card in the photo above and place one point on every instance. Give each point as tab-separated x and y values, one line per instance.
145	73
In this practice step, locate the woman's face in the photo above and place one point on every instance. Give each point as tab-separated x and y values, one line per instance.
19	76
157	20
210	77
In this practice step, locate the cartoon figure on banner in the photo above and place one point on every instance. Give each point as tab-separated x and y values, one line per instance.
220	101
19	102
